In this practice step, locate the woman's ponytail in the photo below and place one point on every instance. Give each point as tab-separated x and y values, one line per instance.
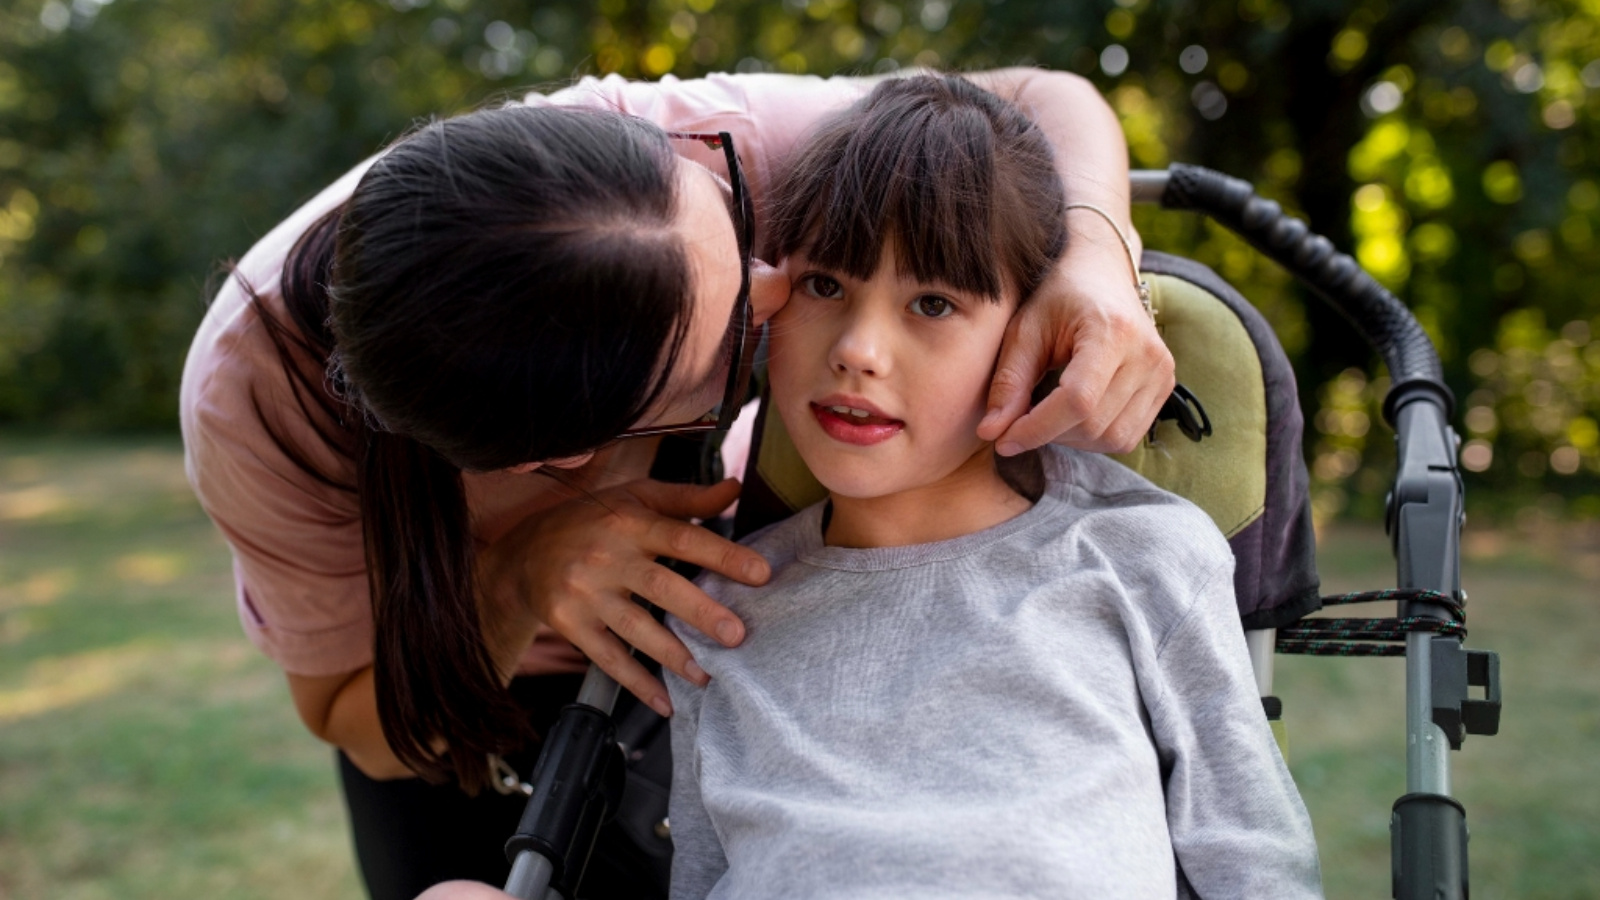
433	675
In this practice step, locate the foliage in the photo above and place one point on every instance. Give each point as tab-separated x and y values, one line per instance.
1448	145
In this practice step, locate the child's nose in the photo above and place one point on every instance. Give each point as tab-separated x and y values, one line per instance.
860	348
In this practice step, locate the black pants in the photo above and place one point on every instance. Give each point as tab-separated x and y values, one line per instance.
410	835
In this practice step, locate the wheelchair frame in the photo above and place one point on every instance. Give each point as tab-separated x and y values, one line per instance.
577	780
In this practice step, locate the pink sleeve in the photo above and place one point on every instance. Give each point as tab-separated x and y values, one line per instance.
299	564
766	114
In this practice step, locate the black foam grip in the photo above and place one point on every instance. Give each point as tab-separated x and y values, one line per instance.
1381	318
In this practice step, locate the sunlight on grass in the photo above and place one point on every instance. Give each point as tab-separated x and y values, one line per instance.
146	749
153	569
31	503
55	684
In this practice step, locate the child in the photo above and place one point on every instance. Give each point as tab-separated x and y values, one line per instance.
961	682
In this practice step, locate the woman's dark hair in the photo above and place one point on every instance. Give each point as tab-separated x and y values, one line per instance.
502	287
960	181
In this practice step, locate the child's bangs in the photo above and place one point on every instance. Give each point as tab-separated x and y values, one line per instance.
960	182
927	186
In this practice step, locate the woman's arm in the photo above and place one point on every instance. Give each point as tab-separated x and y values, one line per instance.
1087	316
343	710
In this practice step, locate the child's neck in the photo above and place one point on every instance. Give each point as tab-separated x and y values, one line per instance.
968	500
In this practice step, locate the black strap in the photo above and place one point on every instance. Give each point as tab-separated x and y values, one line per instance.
1372	637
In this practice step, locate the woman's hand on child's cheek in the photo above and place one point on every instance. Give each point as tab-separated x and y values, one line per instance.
1088	318
576	566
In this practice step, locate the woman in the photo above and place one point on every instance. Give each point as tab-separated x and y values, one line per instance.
372	405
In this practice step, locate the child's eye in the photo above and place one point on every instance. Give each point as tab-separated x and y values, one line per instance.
821	286
932	306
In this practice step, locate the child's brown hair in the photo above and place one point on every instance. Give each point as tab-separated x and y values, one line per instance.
959	179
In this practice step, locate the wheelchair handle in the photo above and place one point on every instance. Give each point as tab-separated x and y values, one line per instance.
1382	319
1424	512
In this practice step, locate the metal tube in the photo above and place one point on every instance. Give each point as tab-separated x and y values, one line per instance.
1147	185
1262	644
530	877
599	690
1427	748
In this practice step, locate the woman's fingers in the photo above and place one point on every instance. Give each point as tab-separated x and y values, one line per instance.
640	630
613	657
677	595
1088	318
685	501
667	535
1023	358
576	568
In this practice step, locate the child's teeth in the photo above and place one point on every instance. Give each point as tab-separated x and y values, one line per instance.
859	413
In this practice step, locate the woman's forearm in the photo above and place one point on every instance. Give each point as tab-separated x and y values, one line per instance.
343	710
1091	152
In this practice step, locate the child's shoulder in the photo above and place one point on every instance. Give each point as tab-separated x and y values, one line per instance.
780	544
1144	522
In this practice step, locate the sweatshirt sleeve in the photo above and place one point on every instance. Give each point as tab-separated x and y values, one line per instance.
697	858
1238	825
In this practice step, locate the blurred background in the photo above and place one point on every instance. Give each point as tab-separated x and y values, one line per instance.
145	750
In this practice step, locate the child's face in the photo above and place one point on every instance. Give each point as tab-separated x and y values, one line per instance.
917	358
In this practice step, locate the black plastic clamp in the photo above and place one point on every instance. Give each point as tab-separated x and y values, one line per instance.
1454	670
577	785
1428	848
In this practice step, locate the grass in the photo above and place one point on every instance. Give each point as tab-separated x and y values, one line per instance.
147	750
1533	803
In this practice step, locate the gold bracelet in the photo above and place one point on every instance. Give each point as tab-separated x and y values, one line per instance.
1139	284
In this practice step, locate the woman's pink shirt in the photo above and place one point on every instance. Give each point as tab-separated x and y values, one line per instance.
297	551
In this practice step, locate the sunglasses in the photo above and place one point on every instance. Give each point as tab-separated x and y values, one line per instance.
740	348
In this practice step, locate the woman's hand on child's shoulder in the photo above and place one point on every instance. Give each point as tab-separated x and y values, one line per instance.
576	567
1087	317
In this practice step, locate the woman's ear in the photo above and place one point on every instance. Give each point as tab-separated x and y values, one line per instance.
569	462
769	290
564	462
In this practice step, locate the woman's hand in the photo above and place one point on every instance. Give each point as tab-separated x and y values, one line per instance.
576	566
1087	317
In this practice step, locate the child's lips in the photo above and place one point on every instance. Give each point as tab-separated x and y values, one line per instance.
853	428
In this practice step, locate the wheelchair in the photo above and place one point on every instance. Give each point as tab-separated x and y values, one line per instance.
1230	441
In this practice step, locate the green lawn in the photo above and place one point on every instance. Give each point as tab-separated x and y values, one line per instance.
147	750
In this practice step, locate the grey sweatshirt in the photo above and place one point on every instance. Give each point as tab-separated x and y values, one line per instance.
1057	707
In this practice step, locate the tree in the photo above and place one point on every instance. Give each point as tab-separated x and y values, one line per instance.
1447	145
